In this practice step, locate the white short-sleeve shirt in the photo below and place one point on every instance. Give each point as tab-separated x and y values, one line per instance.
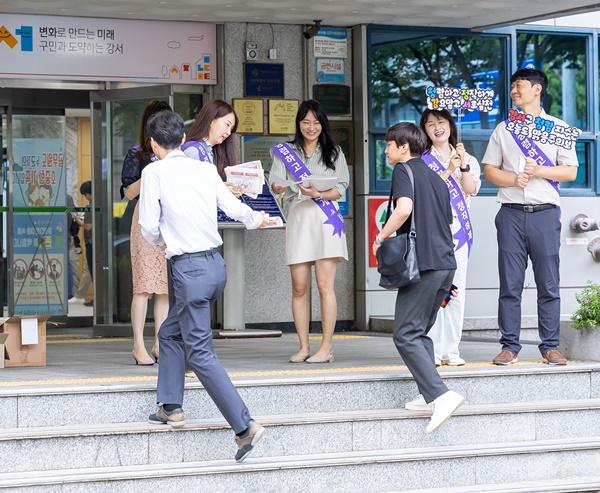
503	152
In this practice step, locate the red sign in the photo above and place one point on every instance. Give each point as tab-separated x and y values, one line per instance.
377	210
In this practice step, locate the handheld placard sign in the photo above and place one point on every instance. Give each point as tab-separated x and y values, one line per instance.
461	99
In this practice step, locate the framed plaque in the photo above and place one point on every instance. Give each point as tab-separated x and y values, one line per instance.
282	116
334	98
263	80
250	113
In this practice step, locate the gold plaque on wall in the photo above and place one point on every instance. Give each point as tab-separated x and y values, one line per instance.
282	116
250	115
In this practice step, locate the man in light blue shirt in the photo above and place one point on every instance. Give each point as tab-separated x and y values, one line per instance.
178	207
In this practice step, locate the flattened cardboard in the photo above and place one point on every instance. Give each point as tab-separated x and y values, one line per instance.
17	353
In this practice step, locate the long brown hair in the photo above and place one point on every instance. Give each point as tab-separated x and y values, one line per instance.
225	152
145	152
445	114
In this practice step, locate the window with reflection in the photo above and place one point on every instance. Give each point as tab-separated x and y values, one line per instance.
563	59
403	64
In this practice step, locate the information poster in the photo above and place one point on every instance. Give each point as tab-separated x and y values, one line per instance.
331	42
330	70
377	208
39	263
39	172
282	116
250	115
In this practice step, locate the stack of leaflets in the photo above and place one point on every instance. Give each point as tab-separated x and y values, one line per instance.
249	176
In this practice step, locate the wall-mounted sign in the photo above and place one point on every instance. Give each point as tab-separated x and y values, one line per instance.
282	116
331	42
330	70
334	98
82	48
258	148
263	79
377	208
250	115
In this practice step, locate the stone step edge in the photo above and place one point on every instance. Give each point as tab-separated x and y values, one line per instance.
564	485
116	473
130	428
345	375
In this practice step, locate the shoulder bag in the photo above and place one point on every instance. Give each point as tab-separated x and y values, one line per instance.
397	256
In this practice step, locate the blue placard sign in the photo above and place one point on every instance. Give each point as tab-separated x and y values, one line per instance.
265	202
263	79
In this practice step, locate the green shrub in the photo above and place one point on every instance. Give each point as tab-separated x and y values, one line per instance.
587	315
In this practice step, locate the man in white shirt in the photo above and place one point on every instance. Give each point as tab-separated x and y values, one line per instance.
178	207
527	172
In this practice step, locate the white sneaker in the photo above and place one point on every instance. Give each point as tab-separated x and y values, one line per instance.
455	361
76	300
419	404
443	407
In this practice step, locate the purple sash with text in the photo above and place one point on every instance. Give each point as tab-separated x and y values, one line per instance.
530	149
300	172
458	202
202	152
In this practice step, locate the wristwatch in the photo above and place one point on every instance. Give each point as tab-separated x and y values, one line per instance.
377	240
466	169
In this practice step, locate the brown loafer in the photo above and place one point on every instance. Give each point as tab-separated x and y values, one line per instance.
554	357
505	357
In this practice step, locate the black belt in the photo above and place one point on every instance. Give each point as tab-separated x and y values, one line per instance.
530	207
204	253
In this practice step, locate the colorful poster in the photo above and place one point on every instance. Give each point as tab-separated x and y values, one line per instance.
84	48
330	70
331	42
39	264
39	172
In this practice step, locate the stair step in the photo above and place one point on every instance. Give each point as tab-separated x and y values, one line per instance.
451	466
567	485
142	443
374	388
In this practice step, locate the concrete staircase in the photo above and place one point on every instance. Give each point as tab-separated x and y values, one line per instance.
524	429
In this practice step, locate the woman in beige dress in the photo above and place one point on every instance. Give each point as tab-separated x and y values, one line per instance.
310	242
148	262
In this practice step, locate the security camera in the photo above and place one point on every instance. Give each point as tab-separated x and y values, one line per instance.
311	31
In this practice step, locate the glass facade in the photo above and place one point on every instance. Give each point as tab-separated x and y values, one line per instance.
403	62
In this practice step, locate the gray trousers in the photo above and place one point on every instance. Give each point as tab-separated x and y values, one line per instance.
537	235
195	281
417	306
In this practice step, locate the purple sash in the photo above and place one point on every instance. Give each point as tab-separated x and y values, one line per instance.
530	149
299	171
458	202
202	152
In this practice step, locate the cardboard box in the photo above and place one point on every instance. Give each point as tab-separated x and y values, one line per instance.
17	354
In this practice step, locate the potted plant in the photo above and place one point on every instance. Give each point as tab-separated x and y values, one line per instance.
581	338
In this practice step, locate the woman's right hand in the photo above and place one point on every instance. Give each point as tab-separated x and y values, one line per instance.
279	188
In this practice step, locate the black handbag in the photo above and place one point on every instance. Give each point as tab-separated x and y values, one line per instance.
397	256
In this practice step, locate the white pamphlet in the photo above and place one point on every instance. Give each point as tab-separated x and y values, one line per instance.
321	183
29	331
250	177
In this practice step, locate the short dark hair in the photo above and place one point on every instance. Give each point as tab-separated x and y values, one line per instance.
166	128
408	133
85	188
533	75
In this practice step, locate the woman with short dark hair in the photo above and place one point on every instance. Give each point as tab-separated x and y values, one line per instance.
417	190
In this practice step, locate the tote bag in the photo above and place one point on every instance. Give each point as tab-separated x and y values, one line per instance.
397	256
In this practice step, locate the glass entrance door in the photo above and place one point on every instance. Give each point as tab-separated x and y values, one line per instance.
116	119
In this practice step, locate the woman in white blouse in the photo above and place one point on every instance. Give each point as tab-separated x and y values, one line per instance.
309	240
443	145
